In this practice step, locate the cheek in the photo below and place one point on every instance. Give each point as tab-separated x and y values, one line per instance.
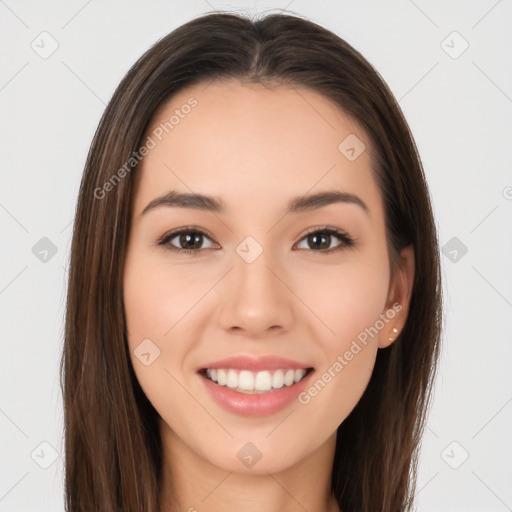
349	306
157	300
346	299
156	311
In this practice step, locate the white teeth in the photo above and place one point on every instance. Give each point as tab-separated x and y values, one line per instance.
232	381
263	381
222	377
278	379
247	381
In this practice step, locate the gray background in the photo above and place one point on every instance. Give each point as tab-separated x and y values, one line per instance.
459	106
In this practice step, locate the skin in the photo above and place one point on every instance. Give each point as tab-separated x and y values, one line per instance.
256	148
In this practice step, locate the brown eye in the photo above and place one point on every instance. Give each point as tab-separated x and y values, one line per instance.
321	239
185	240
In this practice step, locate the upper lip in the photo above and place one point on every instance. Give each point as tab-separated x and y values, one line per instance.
256	363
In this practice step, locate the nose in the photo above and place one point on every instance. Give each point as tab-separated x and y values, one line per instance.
255	298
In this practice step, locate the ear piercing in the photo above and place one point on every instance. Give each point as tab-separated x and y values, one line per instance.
395	331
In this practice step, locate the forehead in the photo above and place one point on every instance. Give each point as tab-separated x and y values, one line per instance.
248	143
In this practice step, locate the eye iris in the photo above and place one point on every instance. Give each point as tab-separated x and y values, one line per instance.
186	238
313	240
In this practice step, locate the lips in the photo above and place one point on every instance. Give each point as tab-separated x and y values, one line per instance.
255	386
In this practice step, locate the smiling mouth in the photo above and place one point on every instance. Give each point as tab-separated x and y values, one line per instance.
249	382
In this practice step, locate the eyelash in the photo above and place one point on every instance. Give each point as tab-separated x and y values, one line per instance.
346	240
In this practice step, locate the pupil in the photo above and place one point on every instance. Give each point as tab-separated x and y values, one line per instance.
186	238
315	237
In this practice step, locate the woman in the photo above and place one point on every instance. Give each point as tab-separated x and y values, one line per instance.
254	301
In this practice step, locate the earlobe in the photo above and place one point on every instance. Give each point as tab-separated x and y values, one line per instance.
399	298
388	335
395	332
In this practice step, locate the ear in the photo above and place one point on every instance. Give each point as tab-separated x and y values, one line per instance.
399	297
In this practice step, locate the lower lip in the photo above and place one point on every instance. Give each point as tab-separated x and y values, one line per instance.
262	404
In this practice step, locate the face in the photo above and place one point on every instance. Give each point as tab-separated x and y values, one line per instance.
281	299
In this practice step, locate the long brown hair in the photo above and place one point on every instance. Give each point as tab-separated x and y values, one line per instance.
113	454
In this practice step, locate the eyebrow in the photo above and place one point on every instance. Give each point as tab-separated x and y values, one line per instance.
217	205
